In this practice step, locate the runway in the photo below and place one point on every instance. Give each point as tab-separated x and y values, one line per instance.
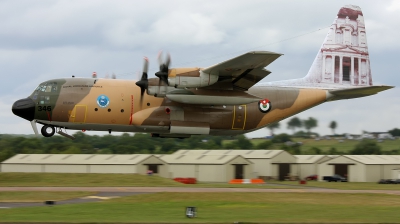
105	193
197	189
92	198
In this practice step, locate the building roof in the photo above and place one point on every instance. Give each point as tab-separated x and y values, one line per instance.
76	159
375	159
248	154
199	159
310	159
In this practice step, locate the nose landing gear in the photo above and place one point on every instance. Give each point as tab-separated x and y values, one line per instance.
48	130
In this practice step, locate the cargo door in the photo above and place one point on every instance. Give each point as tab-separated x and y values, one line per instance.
239	117
78	114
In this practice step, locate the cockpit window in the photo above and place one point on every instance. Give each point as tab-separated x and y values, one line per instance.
44	100
47	87
54	87
43	87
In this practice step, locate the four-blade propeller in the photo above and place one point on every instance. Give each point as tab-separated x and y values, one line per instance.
164	66
143	83
162	75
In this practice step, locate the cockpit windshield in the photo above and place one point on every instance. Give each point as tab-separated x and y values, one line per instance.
47	87
43	90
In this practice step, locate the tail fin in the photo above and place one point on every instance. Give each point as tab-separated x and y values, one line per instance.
343	59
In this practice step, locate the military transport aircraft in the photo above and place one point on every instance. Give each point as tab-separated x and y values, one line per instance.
222	99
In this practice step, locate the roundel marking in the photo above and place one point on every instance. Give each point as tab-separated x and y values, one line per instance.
264	105
103	101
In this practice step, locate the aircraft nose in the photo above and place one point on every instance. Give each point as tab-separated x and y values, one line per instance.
24	108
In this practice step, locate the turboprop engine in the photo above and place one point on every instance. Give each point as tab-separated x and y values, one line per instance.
190	77
169	79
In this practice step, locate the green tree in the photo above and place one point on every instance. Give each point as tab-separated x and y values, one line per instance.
168	146
264	145
273	126
243	142
210	144
231	145
333	126
72	150
281	138
333	151
6	154
395	132
294	123
309	124
315	151
366	147
294	149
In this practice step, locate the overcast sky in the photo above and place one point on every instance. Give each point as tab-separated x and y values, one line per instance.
41	40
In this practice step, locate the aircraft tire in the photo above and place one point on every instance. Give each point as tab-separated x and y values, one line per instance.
45	129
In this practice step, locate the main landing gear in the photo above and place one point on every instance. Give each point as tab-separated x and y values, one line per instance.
48	130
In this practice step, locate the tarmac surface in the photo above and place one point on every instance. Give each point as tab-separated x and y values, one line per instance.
194	189
105	193
93	198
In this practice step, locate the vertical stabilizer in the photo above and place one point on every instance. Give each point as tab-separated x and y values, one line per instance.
343	59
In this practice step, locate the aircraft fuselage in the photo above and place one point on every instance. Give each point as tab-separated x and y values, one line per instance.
114	105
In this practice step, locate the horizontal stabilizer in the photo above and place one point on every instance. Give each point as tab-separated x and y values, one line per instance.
357	92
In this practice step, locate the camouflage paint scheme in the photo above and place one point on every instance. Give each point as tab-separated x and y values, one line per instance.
75	106
220	100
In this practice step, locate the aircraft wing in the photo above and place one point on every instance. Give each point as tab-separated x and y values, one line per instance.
242	72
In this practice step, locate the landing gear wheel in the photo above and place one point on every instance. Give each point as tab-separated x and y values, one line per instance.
48	131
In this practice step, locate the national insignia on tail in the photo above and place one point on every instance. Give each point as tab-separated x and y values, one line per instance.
264	105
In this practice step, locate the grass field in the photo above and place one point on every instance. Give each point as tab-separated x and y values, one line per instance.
326	145
344	146
103	180
221	208
86	180
40	196
135	180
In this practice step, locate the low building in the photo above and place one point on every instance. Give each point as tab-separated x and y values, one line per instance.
268	164
361	168
209	168
307	165
396	173
85	163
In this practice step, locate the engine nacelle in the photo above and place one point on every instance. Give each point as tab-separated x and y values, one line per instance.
190	77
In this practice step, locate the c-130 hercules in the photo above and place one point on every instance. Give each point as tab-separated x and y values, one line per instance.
218	100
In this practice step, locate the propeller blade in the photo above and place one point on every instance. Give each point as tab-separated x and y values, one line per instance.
159	58
34	127
168	60
143	83
146	66
164	67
